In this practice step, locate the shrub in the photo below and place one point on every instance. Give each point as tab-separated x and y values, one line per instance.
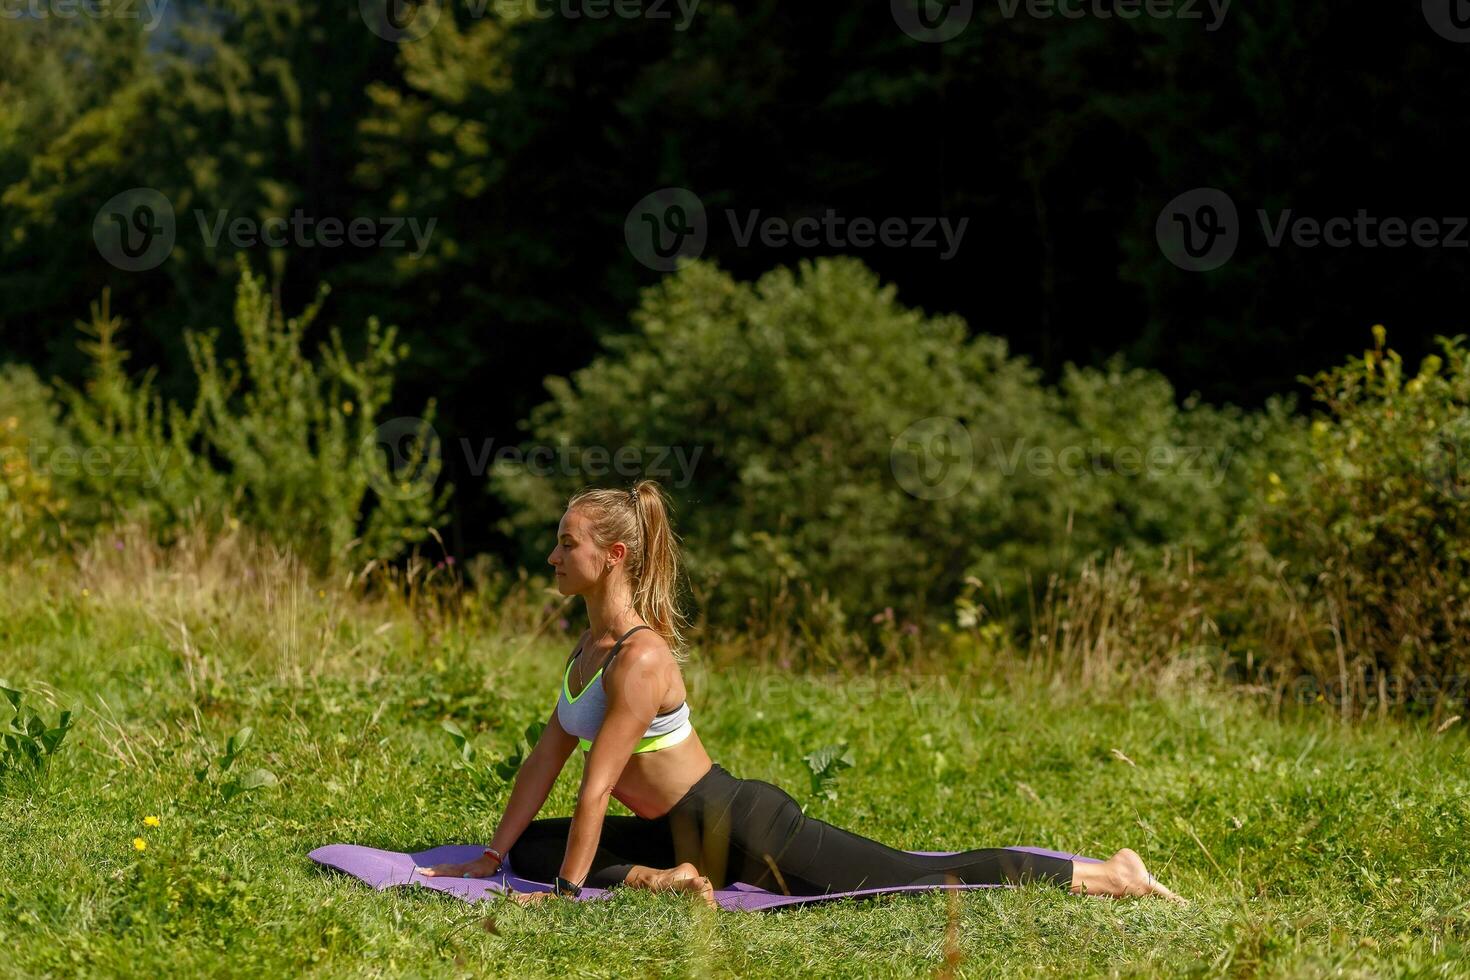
841	448
144	458
31	505
27	743
1360	563
1137	470
281	441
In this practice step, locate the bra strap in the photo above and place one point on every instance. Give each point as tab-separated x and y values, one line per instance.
619	645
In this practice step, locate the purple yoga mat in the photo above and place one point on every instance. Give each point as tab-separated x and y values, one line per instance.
390	869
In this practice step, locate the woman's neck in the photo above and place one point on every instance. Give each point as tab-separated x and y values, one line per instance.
610	610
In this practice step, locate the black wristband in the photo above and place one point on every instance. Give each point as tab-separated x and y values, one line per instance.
565	887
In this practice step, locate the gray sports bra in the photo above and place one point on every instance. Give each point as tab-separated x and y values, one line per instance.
582	716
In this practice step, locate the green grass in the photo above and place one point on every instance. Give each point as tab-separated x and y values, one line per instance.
1308	847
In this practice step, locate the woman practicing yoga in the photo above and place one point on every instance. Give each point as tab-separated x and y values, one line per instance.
697	827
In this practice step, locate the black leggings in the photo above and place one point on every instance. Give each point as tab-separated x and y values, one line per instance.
753	831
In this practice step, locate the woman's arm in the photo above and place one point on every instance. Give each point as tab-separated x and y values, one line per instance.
532	785
533	782
634	690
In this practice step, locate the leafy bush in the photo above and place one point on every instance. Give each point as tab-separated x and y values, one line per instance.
31	505
825	764
147	463
1135	469
1360	578
809	423
279	440
487	780
230	784
27	743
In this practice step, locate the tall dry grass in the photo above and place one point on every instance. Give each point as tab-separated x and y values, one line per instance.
1104	632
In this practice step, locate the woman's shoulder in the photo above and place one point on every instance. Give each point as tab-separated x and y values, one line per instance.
646	648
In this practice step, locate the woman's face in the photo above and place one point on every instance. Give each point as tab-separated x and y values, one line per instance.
577	560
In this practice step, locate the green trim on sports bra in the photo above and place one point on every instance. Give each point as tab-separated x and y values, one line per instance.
652	743
568	675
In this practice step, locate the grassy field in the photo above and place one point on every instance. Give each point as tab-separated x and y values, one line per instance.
1309	848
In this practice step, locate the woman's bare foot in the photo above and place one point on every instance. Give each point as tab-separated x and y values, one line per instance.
1120	876
680	878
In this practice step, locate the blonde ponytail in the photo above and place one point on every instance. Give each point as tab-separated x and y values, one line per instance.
640	518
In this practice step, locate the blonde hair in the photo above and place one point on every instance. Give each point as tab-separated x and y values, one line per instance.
639	517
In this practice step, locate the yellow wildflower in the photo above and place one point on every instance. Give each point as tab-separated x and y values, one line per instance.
152	821
346	408
139	844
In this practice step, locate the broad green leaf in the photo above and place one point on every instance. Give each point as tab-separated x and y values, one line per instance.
256	778
239	740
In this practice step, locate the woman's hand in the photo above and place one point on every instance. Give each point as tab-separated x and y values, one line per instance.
481	867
